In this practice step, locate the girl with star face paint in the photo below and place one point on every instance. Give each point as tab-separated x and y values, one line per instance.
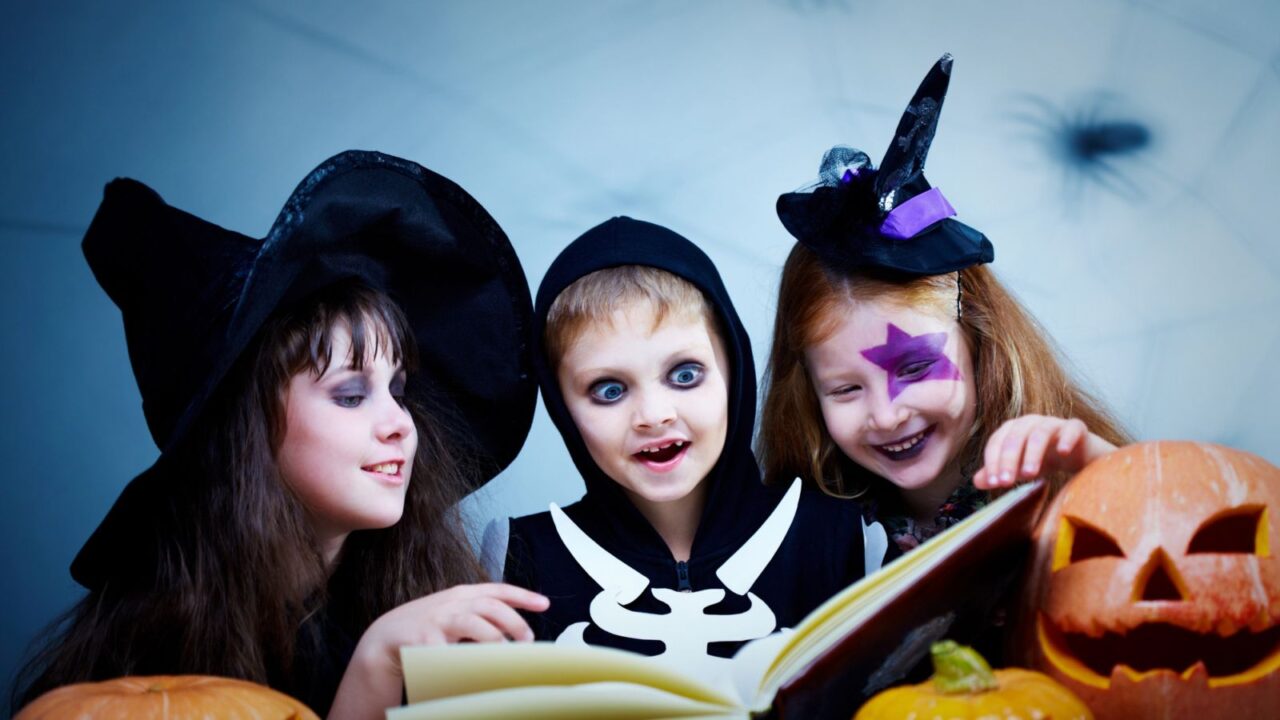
901	370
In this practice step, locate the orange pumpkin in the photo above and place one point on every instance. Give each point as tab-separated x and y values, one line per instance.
171	697
1155	588
964	686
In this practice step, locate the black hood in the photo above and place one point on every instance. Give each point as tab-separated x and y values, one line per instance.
737	501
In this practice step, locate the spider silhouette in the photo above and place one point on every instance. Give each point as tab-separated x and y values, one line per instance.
1090	141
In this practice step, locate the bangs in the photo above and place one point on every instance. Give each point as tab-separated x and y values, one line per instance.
377	325
824	313
593	298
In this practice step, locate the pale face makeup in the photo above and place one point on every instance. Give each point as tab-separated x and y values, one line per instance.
897	393
349	444
651	404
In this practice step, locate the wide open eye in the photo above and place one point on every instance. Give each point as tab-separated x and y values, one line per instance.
606	392
1238	530
686	375
1079	541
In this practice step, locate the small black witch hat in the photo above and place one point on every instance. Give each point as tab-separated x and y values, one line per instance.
889	220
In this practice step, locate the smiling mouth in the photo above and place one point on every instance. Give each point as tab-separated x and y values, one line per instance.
906	448
391	468
1233	659
662	454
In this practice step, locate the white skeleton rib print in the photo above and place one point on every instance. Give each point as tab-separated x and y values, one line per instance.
686	631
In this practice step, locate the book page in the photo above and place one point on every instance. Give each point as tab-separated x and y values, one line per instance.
845	611
543	679
621	701
440	671
750	664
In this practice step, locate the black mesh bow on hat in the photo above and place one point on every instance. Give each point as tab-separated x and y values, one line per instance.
889	219
193	296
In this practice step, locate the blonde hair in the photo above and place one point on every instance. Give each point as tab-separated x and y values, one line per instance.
594	297
1016	366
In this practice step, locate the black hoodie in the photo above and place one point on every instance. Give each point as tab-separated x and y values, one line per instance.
821	553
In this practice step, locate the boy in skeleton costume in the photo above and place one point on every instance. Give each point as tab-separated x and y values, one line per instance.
677	549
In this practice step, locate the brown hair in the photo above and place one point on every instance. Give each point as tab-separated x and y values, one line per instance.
1017	368
237	569
594	297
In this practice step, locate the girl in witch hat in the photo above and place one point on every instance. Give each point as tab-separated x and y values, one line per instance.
902	371
321	398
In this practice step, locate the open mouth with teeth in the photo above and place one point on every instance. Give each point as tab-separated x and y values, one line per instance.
907	447
391	468
1241	657
662	455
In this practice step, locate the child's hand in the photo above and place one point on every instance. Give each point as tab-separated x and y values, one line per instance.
482	613
1026	447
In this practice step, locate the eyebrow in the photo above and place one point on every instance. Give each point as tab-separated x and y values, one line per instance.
842	377
682	354
336	371
588	376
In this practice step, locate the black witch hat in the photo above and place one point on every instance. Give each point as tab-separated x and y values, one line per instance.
193	296
889	219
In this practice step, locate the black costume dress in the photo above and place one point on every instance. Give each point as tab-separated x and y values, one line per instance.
821	553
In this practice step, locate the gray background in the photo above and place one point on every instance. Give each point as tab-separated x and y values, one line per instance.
1154	265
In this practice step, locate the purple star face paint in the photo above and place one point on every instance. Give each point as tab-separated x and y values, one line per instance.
910	359
911	439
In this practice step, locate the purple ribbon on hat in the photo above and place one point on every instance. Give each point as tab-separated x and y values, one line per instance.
916	214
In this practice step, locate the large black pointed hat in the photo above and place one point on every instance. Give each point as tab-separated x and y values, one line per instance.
889	219
193	296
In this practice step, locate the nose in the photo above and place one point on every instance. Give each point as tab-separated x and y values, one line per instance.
884	414
653	409
1159	580
394	421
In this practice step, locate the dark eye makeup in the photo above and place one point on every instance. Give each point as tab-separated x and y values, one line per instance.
606	391
687	374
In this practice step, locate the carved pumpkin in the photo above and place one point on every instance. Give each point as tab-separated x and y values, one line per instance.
964	686
1155	589
172	697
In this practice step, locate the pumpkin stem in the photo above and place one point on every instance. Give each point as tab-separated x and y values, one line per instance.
960	669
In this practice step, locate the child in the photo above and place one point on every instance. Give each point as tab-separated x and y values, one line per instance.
300	523
902	372
677	548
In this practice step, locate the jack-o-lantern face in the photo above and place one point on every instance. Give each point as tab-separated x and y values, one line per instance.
1156	584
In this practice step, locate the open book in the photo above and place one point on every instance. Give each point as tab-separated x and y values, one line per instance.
864	639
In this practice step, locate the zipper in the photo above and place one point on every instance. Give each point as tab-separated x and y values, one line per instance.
682	577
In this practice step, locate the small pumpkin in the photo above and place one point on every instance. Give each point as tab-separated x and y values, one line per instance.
964	686
1155	588
171	697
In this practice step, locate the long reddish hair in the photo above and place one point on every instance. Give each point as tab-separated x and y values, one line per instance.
1017	367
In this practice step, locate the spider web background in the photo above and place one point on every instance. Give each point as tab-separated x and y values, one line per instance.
557	115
